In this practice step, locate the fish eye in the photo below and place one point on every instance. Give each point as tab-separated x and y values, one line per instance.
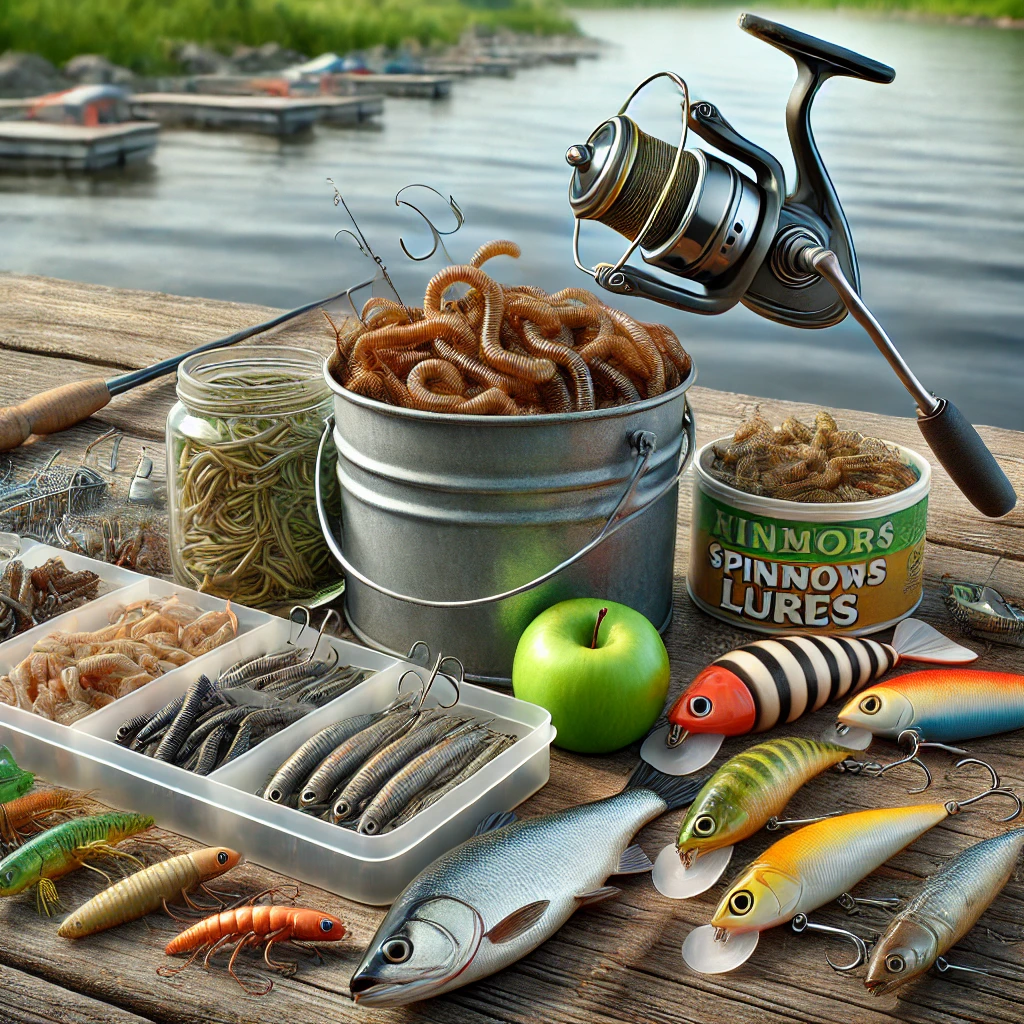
222	857
741	902
871	704
325	925
704	825
895	964
397	951
9	875
700	707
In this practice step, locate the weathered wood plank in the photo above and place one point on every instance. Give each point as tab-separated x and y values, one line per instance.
618	962
25	999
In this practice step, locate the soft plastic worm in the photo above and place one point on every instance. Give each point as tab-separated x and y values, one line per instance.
147	890
179	729
537	370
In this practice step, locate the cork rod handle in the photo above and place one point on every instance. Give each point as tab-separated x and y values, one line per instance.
57	409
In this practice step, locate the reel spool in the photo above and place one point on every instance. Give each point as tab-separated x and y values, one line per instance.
724	237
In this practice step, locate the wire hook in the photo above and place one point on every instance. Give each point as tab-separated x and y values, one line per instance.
995	789
292	620
773	824
875	769
800	924
852	904
438	236
323	628
423	687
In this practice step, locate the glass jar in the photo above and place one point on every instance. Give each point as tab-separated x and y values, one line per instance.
241	458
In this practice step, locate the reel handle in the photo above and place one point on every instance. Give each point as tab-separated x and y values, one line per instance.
966	458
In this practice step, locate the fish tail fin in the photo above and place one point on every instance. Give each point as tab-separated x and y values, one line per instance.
915	640
676	790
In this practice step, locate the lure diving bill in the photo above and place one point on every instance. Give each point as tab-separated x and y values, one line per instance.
775	682
941	705
737	801
945	909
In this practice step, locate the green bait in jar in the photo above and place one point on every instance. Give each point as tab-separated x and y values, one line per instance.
241	458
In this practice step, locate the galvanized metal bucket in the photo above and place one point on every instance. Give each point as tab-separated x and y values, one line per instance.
459	530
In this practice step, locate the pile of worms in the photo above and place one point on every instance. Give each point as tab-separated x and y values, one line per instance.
374	772
211	724
29	597
245	522
796	462
130	537
504	351
69	675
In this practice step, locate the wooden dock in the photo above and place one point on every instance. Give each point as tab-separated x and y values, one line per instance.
619	962
272	115
426	87
41	146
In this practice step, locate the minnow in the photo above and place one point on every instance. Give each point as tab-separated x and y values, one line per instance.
777	681
941	705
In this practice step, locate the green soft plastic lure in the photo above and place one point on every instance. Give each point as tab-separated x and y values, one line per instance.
14	781
62	849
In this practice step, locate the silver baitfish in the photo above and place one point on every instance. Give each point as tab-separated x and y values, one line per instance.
484	905
943	912
985	613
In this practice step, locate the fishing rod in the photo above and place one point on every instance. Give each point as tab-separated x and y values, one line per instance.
64	406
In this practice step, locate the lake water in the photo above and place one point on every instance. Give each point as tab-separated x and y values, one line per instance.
929	170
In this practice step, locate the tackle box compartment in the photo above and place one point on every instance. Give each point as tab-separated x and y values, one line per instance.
222	809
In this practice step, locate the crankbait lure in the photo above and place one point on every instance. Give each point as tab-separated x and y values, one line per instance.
773	682
744	795
62	849
942	706
249	926
147	890
943	912
811	867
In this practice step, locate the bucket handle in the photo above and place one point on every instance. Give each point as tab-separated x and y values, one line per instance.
643	442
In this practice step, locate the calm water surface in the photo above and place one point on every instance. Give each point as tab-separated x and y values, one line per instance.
929	170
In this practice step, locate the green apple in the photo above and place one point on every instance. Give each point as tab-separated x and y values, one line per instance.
598	667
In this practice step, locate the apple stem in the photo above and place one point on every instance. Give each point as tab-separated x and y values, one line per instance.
597	625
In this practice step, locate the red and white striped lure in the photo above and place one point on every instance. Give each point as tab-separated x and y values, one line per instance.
774	682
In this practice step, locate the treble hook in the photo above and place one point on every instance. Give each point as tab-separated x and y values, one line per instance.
875	769
291	618
323	629
996	789
456	683
411	656
800	924
423	686
438	236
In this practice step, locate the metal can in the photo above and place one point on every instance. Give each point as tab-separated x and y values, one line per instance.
777	566
459	530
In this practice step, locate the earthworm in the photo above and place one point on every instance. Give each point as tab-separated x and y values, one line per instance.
617	381
647	349
536	344
527	307
536	370
476	369
499	247
444	325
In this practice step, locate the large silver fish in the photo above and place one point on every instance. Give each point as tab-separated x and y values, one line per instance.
490	901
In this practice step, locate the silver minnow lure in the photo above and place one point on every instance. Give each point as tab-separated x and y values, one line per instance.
945	909
487	903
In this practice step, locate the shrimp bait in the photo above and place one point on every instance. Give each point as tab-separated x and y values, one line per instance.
64	848
147	890
253	926
945	909
777	681
31	813
941	705
743	796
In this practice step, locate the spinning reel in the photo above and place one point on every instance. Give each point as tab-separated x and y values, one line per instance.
726	237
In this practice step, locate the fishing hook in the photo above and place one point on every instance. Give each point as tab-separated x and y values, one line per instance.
292	620
943	966
411	656
800	924
995	789
773	824
852	904
323	629
875	769
456	683
423	688
438	236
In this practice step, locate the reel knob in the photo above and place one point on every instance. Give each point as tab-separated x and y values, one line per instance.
579	156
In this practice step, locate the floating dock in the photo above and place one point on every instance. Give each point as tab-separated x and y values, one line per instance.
429	87
40	146
272	115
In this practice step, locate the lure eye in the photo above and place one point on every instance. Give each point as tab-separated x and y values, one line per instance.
704	825
700	707
325	925
222	857
871	704
741	902
9	876
397	951
895	964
